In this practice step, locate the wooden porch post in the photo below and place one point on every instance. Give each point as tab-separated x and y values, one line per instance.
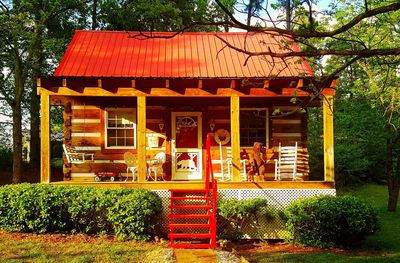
141	138
329	165
45	139
235	138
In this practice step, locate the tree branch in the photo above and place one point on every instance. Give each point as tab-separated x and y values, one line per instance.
316	53
313	34
4	7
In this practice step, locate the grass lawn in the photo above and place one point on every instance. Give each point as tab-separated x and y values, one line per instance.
77	248
384	246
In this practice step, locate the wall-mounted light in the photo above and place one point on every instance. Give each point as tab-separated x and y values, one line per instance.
212	124
161	124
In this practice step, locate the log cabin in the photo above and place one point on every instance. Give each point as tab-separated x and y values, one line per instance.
151	93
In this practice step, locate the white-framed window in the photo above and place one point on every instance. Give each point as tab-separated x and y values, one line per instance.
253	126
120	128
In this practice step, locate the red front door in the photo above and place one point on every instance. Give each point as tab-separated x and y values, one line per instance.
186	146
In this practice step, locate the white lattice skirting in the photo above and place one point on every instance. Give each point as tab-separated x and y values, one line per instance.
278	199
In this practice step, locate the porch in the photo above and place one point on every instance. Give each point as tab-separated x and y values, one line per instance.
160	122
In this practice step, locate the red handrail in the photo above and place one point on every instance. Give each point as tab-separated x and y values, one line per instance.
210	177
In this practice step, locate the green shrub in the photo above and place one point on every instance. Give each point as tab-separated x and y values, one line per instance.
134	215
87	208
235	215
44	209
329	221
31	208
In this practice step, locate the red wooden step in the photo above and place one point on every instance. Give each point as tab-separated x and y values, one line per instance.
189	245
189	216
189	225
188	190
190	198
190	207
189	235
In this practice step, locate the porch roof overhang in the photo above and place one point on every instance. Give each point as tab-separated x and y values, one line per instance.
283	87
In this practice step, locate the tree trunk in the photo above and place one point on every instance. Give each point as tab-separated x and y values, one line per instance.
37	69
393	178
288	15
17	144
249	12
19	80
94	15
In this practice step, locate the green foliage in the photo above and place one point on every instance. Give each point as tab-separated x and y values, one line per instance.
133	216
87	208
160	15
235	215
46	209
32	208
329	221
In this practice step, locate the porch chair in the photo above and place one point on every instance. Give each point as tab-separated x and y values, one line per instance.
156	165
131	165
286	164
74	156
226	164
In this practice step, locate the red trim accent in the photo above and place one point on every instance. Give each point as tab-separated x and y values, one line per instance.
177	210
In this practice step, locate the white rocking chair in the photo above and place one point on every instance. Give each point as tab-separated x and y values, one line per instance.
226	165
286	164
74	156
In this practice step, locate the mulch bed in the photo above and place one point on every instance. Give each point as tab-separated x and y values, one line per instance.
246	247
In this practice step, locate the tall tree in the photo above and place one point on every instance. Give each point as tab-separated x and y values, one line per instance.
363	32
24	30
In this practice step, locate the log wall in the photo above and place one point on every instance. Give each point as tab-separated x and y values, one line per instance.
84	129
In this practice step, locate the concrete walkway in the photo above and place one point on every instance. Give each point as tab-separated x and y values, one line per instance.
195	255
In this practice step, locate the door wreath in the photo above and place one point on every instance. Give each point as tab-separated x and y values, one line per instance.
222	136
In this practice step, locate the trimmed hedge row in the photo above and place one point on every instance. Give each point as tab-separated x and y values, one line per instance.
127	213
331	221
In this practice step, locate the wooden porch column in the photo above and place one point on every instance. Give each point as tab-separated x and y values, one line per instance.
141	138
329	165
45	139
235	138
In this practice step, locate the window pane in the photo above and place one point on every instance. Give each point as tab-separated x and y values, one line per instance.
252	127
121	133
120	141
121	127
129	132
111	142
111	133
111	123
129	142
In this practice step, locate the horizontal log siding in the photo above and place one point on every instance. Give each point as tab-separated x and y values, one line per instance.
286	130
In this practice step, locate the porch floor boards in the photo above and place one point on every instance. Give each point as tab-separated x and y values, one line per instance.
165	185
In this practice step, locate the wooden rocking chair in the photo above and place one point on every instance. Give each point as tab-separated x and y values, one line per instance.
286	164
74	156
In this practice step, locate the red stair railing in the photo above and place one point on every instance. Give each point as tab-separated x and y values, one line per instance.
210	177
182	208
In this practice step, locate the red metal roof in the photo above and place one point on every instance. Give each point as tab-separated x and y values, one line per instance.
187	55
